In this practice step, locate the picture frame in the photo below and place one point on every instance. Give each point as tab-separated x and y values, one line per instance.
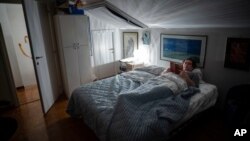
237	53
146	37
130	44
176	48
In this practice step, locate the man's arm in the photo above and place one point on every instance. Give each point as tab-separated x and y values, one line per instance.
185	76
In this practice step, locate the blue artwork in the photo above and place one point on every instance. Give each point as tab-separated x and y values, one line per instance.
181	48
176	48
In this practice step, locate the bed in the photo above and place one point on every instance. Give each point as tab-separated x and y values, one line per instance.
139	104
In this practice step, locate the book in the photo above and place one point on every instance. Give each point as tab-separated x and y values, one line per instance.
175	67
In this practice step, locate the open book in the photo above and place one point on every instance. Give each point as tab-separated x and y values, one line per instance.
175	67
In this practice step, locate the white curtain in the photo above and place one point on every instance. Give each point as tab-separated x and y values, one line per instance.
103	48
103	53
106	47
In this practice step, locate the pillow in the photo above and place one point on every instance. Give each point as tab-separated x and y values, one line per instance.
198	72
181	84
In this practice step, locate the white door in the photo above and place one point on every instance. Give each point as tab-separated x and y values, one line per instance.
67	26
37	44
74	29
82	30
72	68
84	64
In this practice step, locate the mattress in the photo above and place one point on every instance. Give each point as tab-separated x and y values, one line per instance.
201	101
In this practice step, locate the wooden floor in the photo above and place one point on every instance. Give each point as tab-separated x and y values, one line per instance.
56	125
27	94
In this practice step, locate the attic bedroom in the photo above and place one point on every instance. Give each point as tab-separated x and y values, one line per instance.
107	70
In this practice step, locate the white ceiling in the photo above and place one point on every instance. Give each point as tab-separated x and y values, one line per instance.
187	13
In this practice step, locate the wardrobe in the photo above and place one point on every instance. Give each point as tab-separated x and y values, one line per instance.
73	41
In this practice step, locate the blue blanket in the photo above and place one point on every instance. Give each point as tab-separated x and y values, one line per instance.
95	101
149	116
131	106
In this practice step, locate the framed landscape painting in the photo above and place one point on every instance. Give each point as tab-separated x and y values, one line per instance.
176	48
238	53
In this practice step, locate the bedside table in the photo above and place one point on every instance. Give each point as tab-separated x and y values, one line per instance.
133	65
129	64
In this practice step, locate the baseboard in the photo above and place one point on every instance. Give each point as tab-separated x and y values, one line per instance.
20	87
30	86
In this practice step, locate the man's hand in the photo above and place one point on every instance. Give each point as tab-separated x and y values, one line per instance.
185	76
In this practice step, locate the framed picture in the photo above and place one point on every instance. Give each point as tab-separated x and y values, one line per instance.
176	48
146	37
237	53
130	44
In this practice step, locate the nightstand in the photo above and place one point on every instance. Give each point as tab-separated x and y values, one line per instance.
133	65
129	64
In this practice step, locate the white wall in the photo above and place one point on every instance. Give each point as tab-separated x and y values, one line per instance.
10	45
18	30
143	51
214	71
14	32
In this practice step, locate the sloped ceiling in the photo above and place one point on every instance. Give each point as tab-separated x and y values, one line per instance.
187	13
101	15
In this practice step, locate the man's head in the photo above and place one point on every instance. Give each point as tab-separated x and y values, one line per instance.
188	64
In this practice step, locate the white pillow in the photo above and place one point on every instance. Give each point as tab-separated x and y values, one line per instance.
198	72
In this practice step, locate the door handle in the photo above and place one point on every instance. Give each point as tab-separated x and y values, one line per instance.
39	57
